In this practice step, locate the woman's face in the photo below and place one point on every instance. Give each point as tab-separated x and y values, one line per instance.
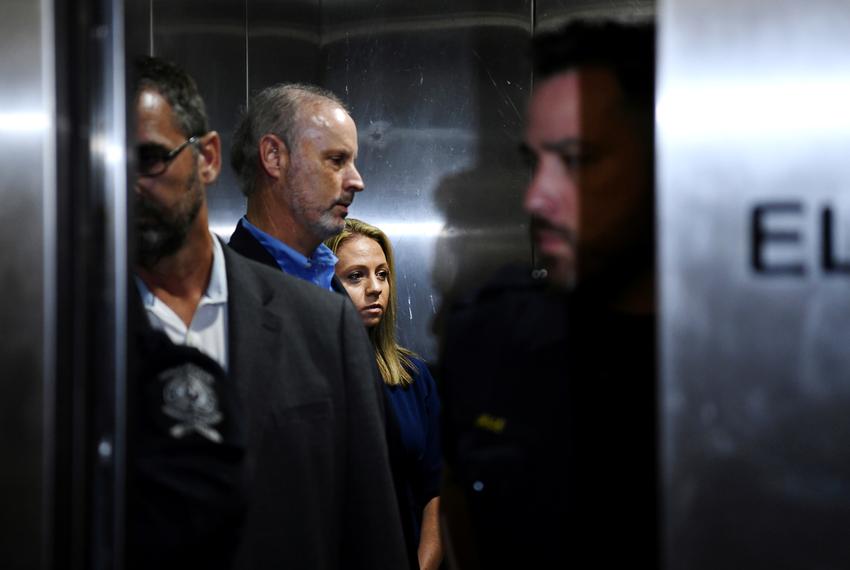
364	272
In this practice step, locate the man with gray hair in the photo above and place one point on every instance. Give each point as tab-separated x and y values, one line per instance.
294	151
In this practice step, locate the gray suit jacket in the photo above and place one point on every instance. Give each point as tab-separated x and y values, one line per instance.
320	490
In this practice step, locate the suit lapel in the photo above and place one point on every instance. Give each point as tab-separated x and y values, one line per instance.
252	327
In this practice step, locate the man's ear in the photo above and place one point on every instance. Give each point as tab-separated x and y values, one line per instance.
209	159
274	156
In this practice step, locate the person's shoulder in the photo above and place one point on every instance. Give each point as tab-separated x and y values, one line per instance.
515	309
511	280
508	293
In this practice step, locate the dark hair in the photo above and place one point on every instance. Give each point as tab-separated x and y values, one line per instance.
273	110
628	50
178	88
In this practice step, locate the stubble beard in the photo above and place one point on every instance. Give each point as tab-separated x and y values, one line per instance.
320	224
160	232
330	224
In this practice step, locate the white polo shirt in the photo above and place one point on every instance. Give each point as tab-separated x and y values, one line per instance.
208	330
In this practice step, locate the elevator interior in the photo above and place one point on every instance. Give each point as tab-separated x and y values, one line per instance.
437	89
751	114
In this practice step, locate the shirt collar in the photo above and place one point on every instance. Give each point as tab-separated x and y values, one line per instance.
285	255
317	269
216	291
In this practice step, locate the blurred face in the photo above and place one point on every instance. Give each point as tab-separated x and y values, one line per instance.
590	198
364	272
167	204
321	179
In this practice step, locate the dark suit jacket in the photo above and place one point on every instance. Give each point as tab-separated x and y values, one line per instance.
246	244
320	491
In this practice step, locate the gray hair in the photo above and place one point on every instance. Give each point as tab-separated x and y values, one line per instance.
274	110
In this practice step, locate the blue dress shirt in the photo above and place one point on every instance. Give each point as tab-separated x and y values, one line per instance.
317	269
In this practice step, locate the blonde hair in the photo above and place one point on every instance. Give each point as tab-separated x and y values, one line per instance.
394	361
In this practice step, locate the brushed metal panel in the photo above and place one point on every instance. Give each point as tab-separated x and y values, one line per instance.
106	311
437	90
752	116
283	42
27	190
208	39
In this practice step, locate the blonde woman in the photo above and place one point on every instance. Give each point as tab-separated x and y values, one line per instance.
367	272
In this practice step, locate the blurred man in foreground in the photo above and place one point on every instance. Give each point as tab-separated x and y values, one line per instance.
548	375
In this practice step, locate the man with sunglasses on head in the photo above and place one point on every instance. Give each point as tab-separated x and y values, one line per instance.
255	428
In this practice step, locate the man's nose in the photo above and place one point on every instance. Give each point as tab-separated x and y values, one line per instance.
537	195
354	183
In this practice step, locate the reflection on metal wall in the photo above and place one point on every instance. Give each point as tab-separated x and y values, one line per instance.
27	191
754	193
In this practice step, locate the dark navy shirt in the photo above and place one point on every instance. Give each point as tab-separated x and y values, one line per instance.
417	410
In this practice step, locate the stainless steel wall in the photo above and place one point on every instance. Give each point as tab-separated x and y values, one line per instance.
27	221
754	182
